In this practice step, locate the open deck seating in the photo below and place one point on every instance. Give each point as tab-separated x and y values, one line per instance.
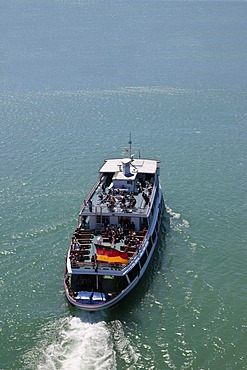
85	246
84	241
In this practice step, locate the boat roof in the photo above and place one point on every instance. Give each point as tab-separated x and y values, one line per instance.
121	176
141	165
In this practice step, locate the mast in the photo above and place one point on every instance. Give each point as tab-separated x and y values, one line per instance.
130	143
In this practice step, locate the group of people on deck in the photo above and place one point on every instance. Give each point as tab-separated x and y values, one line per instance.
75	255
114	233
117	196
117	234
122	197
132	240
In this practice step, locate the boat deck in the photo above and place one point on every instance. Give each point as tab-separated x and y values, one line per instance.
107	207
82	252
108	200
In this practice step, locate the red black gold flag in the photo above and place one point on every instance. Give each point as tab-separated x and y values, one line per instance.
108	254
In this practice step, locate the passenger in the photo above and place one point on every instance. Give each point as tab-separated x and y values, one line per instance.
144	231
145	197
139	187
120	233
132	226
90	205
132	201
99	240
94	258
137	243
81	258
84	222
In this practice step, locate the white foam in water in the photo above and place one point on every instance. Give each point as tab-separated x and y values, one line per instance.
81	346
122	344
173	214
72	344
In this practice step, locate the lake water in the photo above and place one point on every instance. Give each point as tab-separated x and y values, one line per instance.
75	78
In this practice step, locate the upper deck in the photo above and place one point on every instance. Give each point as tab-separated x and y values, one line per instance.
124	186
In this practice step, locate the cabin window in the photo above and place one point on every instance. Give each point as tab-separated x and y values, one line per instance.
134	272
82	282
157	227
104	219
150	245
143	259
155	200
112	284
105	283
154	234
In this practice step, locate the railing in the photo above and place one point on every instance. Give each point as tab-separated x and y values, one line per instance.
99	266
118	207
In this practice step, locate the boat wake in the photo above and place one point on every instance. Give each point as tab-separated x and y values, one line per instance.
181	227
177	223
71	343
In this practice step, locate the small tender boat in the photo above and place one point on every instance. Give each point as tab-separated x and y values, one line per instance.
116	235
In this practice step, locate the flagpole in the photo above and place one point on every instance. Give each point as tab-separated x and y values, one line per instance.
97	282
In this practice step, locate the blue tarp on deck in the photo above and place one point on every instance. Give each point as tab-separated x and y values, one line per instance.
91	297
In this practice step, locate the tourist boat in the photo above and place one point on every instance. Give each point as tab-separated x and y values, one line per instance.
116	235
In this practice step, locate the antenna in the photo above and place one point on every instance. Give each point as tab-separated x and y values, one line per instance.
129	150
130	142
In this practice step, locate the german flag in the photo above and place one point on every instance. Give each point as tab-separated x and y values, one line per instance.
108	254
